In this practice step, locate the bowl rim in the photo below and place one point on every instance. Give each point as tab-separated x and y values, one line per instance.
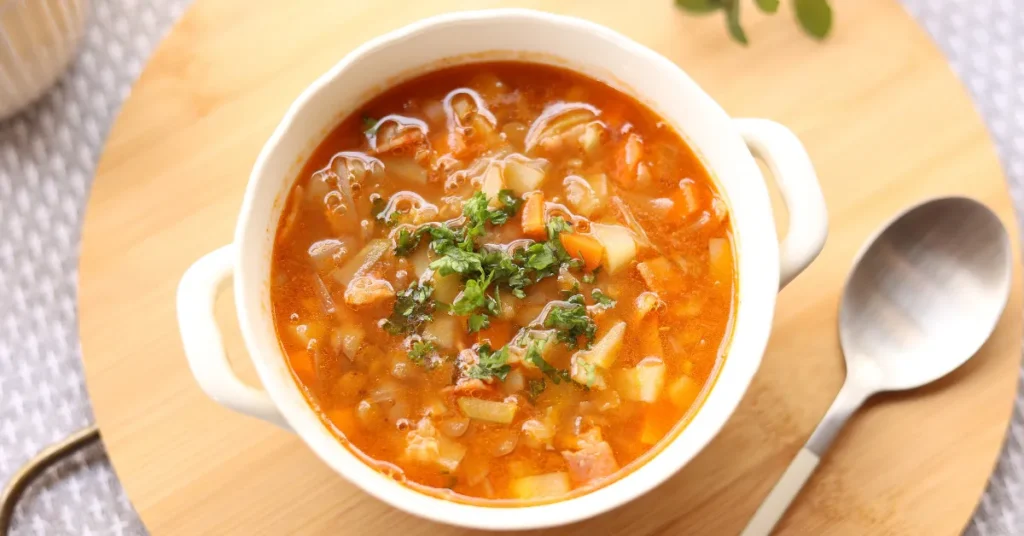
651	473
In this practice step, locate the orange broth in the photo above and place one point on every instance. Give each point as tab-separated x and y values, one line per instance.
503	281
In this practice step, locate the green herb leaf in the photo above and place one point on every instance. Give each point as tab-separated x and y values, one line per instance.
699	6
589	278
534	356
370	125
421	352
732	21
457	261
602	299
470	299
478	322
556	226
534	388
589	371
406	242
815	17
571	322
768	6
492	363
413	307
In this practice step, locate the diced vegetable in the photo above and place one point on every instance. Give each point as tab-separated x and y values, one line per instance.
593	461
659	274
538	433
444	331
619	246
630	153
599	185
644	382
365	290
603	353
420	261
684	391
541	486
581	196
446	287
363	261
521	177
449	453
454	426
566	281
492	184
720	260
487	410
425	445
534	225
514	382
404	168
686	201
347	338
586	373
586	248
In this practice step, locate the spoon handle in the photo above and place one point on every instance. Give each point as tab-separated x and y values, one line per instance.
850	397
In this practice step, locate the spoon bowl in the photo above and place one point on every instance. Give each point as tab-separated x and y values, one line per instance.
925	294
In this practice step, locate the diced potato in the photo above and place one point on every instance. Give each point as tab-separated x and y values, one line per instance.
405	168
363	261
566	281
347	338
580	196
720	260
508	305
549	485
444	331
599	184
538	433
446	288
644	382
683	392
604	352
619	246
420	260
521	177
487	410
592	137
449	453
493	183
514	382
658	273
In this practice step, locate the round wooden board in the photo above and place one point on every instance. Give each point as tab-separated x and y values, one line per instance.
882	115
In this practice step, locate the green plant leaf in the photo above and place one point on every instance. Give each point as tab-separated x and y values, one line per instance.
732	20
699	6
815	16
768	6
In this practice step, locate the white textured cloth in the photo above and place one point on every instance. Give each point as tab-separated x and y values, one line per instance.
47	158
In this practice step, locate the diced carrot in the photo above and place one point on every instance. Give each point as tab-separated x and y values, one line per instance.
686	201
583	247
302	364
533	217
498	334
650	337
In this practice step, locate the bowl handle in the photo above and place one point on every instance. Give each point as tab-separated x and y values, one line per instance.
197	290
793	171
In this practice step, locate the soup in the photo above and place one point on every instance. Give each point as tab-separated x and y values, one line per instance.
503	282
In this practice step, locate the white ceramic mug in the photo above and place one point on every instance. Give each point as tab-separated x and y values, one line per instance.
723	144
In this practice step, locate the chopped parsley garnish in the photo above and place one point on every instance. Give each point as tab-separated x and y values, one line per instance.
421	352
534	356
572	322
589	277
602	299
406	242
471	298
413	307
534	388
492	363
589	371
478	322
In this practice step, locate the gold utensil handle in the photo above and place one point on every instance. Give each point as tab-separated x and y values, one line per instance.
36	466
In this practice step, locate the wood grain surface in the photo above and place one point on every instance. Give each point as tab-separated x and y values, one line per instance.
882	115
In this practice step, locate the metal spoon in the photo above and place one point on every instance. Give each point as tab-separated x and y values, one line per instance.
924	295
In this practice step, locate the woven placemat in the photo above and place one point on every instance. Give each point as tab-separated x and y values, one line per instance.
48	156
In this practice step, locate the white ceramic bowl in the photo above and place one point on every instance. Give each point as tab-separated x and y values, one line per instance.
724	145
